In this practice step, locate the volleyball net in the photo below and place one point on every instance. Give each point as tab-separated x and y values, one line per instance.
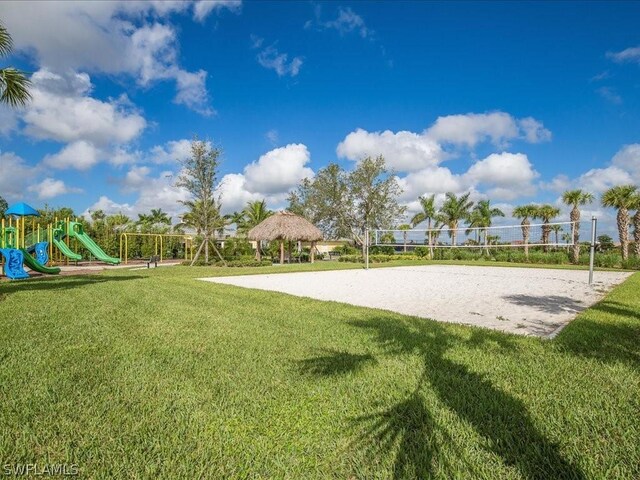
557	234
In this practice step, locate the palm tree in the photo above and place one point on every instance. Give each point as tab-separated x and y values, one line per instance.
14	84
404	227
575	198
621	197
481	218
428	213
546	213
253	214
636	225
525	212
158	217
455	209
556	229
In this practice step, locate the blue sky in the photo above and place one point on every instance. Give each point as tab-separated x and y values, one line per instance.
513	101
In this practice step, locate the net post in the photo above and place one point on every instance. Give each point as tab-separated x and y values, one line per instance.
592	249
366	248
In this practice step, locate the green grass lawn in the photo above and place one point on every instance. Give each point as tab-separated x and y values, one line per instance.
153	374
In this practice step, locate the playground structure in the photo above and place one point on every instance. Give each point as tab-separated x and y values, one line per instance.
35	249
14	249
158	245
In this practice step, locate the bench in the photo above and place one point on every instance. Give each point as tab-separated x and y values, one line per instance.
153	259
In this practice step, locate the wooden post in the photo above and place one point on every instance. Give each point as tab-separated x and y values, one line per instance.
281	252
258	255
313	248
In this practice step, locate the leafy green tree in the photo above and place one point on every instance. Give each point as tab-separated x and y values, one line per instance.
546	213
14	84
428	214
199	178
622	198
605	242
525	212
576	198
373	195
323	201
345	204
3	206
481	217
455	209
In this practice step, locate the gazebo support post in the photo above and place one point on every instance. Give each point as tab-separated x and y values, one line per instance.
313	248
258	255
281	252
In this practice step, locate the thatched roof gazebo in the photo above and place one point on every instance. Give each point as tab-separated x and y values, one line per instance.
286	226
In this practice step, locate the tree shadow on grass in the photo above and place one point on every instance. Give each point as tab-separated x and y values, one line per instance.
593	336
60	283
494	414
335	363
409	428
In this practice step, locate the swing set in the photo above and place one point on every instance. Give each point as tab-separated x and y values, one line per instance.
187	240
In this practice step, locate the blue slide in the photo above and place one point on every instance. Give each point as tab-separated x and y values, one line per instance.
13	263
41	250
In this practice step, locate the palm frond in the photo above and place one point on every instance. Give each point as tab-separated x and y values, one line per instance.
14	85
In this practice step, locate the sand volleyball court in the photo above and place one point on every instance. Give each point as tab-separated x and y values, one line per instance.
527	301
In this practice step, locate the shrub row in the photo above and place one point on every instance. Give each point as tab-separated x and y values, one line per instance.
377	258
251	262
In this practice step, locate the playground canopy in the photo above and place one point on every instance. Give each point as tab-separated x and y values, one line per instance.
22	210
286	226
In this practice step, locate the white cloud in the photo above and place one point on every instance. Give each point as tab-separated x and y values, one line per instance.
403	151
272	136
271	178
192	91
50	188
510	175
8	120
407	151
61	110
153	192
498	127
610	95
234	193
135	178
278	170
438	180
80	155
348	21
271	58
109	207
506	175
14	176
533	130
558	184
631	54
597	180
202	8
109	37
628	158
624	168
172	151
